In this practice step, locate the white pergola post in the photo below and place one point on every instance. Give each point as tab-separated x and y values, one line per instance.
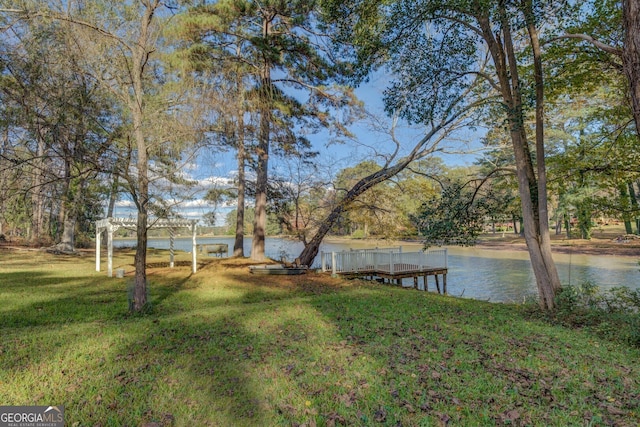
113	224
171	238
109	250
193	247
98	244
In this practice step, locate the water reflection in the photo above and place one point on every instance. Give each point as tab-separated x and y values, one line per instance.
493	275
506	275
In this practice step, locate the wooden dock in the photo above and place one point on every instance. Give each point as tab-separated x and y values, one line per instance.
390	265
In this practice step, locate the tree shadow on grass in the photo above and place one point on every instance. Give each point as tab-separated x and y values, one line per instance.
52	301
172	370
21	280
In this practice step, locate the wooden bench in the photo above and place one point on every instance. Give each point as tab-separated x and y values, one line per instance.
217	249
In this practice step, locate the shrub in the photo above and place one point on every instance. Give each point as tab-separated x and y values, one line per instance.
358	234
613	314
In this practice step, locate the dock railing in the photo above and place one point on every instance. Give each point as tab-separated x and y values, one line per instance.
390	261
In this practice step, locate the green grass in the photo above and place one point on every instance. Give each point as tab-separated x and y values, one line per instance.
224	348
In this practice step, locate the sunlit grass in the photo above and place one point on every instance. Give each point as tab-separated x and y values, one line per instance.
225	348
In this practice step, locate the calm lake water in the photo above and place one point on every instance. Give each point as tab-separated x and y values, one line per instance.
493	275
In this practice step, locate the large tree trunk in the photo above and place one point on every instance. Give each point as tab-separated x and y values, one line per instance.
634	206
238	245
551	285
142	202
37	196
68	213
260	215
625	205
631	53
532	190
262	152
137	106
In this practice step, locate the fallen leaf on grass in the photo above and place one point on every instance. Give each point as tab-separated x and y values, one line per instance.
311	423
510	415
444	419
168	419
380	415
334	419
349	399
615	411
409	407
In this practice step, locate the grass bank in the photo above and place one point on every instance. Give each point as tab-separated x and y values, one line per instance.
224	348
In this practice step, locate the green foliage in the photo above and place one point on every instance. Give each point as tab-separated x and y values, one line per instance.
358	234
453	218
613	314
574	66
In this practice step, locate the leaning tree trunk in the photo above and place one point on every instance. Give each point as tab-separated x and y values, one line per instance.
425	146
311	249
532	190
552	280
631	53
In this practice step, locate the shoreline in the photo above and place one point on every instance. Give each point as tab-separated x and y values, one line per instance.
595	246
603	246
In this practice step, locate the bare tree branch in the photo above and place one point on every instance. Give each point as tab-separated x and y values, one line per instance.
600	45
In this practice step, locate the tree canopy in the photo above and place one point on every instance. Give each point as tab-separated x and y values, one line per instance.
100	100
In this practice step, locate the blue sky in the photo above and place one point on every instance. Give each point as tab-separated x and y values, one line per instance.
214	169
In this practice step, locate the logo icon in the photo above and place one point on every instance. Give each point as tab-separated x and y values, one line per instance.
32	416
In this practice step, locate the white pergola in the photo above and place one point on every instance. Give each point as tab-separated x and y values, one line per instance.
113	224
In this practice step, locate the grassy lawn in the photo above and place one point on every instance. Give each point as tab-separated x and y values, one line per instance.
225	348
